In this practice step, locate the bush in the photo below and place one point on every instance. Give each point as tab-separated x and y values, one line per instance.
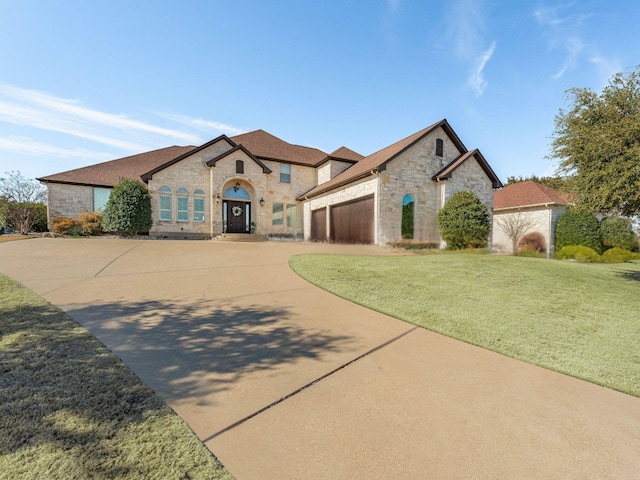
532	242
618	232
128	210
90	223
464	221
617	255
578	228
531	253
66	226
579	253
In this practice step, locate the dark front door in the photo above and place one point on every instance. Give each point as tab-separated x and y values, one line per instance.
236	217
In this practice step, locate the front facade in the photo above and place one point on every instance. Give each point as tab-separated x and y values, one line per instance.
257	183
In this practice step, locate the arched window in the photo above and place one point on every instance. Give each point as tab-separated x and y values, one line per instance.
407	216
183	204
237	192
239	166
439	147
165	204
198	206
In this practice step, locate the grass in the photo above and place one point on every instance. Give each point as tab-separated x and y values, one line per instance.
71	409
579	319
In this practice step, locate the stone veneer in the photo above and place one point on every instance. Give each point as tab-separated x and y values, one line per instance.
67	200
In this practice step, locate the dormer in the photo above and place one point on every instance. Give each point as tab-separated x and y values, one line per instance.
336	163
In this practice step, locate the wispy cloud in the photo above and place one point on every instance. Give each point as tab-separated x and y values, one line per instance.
467	19
563	30
28	146
477	80
205	126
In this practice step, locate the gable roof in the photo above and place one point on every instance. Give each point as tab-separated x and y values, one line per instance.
108	174
344	153
213	161
265	146
527	194
448	170
380	159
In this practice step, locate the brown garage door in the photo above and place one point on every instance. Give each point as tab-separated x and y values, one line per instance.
319	225
352	222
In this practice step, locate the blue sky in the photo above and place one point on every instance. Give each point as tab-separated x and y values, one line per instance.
88	81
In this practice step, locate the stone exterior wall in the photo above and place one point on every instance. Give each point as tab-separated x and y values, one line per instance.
330	169
410	173
544	221
68	200
190	173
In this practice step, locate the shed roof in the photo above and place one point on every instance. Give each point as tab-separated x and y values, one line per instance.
529	193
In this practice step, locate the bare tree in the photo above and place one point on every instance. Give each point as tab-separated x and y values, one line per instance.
515	226
21	202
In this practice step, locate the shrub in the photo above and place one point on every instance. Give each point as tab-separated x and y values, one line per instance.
617	255
128	210
529	252
90	223
618	232
66	226
532	242
579	253
578	228
464	221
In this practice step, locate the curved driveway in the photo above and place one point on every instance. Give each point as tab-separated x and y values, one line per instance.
283	380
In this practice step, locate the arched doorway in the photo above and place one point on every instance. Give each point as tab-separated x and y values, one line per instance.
236	210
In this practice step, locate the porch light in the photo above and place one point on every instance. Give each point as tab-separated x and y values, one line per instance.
218	198
261	202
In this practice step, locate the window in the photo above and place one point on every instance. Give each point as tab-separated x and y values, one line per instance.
407	216
285	173
439	147
165	204
278	211
291	215
183	205
198	206
100	198
239	166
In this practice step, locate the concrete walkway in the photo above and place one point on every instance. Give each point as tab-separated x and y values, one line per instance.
283	380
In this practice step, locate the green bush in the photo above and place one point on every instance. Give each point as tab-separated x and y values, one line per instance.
128	210
618	232
464	221
617	255
579	253
579	228
530	252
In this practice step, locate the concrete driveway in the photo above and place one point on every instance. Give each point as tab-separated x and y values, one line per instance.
283	380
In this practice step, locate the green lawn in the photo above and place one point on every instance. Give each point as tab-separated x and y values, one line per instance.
579	319
70	409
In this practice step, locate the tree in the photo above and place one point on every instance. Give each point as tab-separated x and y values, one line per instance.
562	184
618	232
21	202
464	221
515	226
578	228
128	210
597	141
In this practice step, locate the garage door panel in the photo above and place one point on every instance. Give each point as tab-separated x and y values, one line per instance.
319	225
353	222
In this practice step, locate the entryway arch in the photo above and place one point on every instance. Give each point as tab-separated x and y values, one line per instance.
236	207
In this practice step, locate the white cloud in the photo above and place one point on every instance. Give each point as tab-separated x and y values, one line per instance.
476	80
28	146
574	47
205	126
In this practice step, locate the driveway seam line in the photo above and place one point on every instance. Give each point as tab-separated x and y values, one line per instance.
117	258
304	387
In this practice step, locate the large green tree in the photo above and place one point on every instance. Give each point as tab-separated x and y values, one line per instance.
597	141
464	221
128	210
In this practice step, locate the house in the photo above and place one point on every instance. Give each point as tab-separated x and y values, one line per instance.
529	211
258	183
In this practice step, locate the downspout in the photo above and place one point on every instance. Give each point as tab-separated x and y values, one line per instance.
376	202
211	201
551	232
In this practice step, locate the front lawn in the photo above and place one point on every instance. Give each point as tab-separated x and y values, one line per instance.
70	409
578	319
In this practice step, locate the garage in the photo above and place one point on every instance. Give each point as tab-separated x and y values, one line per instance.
319	225
353	222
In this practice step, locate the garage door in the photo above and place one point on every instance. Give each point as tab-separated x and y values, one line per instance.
319	225
353	222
